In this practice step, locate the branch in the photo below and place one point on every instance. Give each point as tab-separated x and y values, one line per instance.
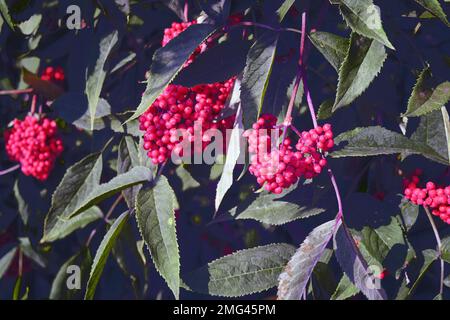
439	245
14	168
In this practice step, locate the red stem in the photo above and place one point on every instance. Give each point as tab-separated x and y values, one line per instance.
186	11
14	168
13	92
33	104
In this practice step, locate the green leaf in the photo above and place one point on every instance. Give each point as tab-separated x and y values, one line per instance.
6	260
102	254
27	249
168	61
156	220
346	289
30	26
128	158
48	89
256	76
130	57
410	212
447	281
363	62
430	256
446	249
96	78
243	272
17	288
284	9
354	265
233	152
270	209
66	226
217	64
5	14
60	290
433	132
325	110
434	7
187	180
333	47
23	208
391	234
364	18
135	176
426	98
293	281
372	141
77	184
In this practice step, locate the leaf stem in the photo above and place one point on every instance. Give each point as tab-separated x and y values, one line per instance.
439	245
6	171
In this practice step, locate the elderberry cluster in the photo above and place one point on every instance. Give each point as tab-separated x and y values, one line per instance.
278	166
180	113
35	145
54	74
436	198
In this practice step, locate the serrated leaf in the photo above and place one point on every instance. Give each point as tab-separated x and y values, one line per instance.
65	227
433	132
293	281
6	260
243	272
48	89
354	265
216	64
434	7
325	110
333	47
102	254
364	18
270	209
345	289
371	141
60	290
233	152
27	249
425	97
96	78
77	184
5	14
128	158
363	62
391	234
135	176
284	9
156	220
256	76
168	61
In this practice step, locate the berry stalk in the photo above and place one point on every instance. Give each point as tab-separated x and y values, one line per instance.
6	171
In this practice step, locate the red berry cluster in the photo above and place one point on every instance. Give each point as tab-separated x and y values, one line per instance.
436	198
34	143
54	74
177	114
277	167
